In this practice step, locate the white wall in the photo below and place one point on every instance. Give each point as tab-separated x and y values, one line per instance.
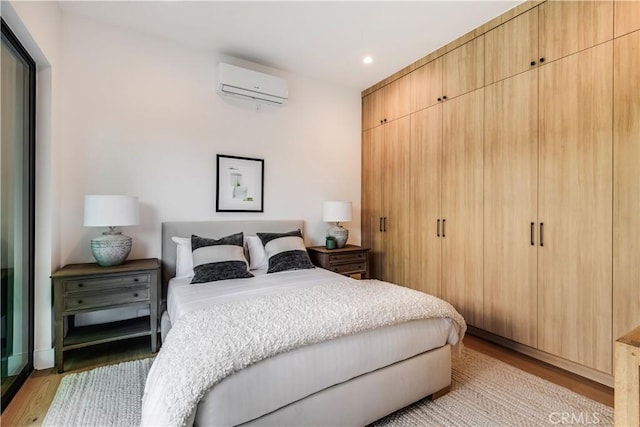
124	113
141	117
37	26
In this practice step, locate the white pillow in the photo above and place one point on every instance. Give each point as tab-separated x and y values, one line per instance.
184	257
257	255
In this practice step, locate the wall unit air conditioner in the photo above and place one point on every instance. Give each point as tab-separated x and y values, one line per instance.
251	85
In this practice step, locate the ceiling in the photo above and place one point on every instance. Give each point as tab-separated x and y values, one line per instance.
326	40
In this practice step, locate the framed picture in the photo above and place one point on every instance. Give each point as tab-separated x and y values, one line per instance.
239	184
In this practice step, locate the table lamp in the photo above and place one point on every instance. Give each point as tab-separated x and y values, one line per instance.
112	248
337	212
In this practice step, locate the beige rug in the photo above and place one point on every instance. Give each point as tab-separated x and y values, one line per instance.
485	392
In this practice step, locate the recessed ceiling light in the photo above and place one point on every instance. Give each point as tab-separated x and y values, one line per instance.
367	60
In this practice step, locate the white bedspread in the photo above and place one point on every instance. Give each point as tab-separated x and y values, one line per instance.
211	343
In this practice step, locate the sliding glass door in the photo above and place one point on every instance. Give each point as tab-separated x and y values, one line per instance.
17	93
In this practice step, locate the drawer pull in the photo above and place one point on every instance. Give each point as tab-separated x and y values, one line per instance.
80	285
79	301
136	280
135	295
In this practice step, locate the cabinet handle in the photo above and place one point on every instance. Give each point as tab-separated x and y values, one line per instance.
444	223
80	301
380	121
533	63
542	234
438	228
533	225
444	97
136	279
135	295
385	120
80	285
380	225
541	60
439	99
384	224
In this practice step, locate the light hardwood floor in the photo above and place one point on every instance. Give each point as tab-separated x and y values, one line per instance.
30	405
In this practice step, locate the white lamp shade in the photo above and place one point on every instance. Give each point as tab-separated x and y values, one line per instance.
110	211
336	212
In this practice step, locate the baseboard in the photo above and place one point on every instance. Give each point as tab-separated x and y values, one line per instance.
576	368
44	359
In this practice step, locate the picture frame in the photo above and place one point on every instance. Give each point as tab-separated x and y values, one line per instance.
239	184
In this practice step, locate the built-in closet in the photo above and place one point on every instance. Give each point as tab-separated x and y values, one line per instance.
501	174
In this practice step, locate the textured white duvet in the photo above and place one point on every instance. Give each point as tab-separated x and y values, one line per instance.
211	343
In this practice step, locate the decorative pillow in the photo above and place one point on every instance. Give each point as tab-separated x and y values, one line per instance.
184	258
285	251
257	256
218	259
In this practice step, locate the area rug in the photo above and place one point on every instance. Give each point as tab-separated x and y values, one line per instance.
484	392
106	396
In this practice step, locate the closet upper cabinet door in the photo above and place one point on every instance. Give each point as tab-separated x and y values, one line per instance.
462	205
367	113
397	99
424	201
426	85
463	68
626	181
510	206
512	47
575	206
627	16
567	27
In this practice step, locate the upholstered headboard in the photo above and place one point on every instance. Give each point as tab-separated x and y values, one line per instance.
213	229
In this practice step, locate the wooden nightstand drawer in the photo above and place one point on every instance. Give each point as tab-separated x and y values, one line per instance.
103	299
347	258
83	285
350	260
349	268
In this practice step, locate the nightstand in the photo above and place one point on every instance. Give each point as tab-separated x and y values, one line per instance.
82	288
347	261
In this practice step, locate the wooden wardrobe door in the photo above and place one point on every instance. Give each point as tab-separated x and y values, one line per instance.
510	208
511	47
463	68
426	85
397	191
626	184
575	199
372	192
462	204
626	16
569	26
425	242
397	98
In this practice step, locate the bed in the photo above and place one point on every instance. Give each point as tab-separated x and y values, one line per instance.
352	379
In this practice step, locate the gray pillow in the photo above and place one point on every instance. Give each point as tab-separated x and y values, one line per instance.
219	259
285	251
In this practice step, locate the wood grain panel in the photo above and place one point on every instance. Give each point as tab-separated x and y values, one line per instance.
575	199
426	85
626	16
367	112
426	158
510	206
462	196
626	185
372	190
511	47
463	69
567	27
397	192
397	98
